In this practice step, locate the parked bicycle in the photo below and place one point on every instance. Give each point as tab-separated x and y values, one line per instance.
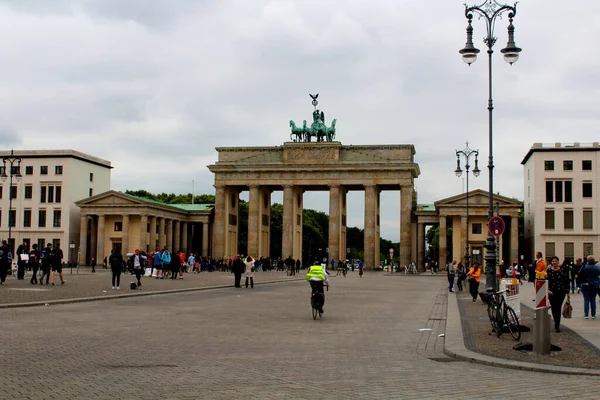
501	314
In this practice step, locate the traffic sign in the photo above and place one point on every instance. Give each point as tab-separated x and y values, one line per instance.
496	226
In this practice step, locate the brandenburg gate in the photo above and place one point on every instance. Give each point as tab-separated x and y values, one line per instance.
304	165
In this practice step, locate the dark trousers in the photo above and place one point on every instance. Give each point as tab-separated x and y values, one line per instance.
251	281
3	272
173	274
317	288
556	302
459	284
45	273
21	270
238	279
138	275
34	269
473	288
451	282
116	276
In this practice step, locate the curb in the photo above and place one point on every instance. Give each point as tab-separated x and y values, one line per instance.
125	295
454	346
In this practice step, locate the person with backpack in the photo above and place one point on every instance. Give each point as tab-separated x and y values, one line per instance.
34	263
45	257
166	262
56	257
157	264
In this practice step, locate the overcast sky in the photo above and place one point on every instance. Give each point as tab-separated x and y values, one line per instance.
155	85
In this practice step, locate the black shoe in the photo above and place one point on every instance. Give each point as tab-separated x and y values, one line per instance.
557	330
321	310
451	291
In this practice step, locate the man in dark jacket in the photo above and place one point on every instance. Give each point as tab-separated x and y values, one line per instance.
4	262
21	264
116	266
237	268
46	258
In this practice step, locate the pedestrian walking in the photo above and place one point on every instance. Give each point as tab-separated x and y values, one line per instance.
249	273
451	270
474	276
22	255
558	288
46	258
589	279
460	276
34	263
116	267
93	265
56	257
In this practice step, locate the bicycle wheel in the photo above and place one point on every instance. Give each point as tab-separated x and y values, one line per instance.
499	319
512	321
492	315
313	307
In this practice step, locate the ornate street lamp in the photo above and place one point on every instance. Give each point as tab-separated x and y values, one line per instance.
14	164
490	11
467	152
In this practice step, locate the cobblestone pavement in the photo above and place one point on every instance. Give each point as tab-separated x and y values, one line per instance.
378	339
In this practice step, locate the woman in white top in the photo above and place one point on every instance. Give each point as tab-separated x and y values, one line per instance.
249	271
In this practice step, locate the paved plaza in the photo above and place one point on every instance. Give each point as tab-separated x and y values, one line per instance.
378	339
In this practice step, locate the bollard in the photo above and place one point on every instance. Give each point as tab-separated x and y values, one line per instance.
541	332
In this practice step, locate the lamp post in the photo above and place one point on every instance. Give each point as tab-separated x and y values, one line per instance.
467	152
490	11
14	170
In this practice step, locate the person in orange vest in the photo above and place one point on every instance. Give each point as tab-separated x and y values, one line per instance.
474	274
541	266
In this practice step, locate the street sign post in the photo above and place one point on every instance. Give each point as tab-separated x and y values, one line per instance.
496	226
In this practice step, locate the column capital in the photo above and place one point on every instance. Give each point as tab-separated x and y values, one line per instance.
334	185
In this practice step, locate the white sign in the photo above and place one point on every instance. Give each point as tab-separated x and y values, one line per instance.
72	245
475	251
512	294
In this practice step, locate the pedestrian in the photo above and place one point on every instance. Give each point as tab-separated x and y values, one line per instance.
192	261
46	258
574	270
34	263
460	276
175	265
451	270
474	276
22	251
138	262
56	257
588	278
541	266
157	263
290	265
116	267
249	272
166	262
93	265
237	267
298	265
5	263
558	288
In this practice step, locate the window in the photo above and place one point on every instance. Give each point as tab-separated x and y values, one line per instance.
27	218
476	229
12	217
50	194
570	250
550	250
56	219
568	191
28	191
57	194
91	177
13	192
586	189
588	221
41	244
29	170
148	227
27	242
44	170
118	226
91	192
568	165
58	170
588	249
15	170
549	165
558	191
549	220
586	165
56	242
569	219
549	191
43	194
42	220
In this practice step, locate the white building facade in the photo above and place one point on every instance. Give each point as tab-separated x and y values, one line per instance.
43	199
562	198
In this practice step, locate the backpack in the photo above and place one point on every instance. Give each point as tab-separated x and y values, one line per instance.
33	258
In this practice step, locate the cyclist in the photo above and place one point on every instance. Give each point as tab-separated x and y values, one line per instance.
361	266
317	276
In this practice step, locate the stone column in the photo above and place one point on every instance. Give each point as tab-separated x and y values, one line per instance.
218	225
287	243
343	242
334	223
94	238
405	221
369	226
514	240
143	232
100	241
298	195
264	231
169	225
177	243
443	243
162	239
83	239
184	238
421	244
205	240
152	234
125	234
253	221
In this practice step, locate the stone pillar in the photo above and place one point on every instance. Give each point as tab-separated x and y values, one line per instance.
232	200
184	238
343	242
253	221
287	242
125	234
421	244
152	234
334	223
169	225
443	243
94	239
205	240
143	232
177	242
162	239
218	225
369	226
83	239
100	241
514	240
264	231
406	198
298	195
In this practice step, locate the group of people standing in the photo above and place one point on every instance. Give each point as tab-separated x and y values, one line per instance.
46	263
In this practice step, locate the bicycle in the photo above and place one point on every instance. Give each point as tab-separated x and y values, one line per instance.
315	301
501	314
